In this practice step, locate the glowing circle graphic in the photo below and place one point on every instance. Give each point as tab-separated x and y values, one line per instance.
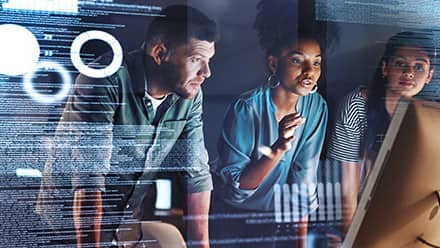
48	65
96	35
19	50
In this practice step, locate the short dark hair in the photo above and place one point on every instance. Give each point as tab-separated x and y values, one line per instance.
280	23
177	24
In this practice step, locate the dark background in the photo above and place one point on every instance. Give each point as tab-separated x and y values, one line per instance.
239	63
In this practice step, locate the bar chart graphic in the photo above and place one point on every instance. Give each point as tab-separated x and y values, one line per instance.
287	202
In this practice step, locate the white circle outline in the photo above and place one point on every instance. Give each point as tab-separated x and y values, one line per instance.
67	83
79	41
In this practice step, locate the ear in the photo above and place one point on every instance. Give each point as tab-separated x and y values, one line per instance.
272	63
159	53
384	69
430	75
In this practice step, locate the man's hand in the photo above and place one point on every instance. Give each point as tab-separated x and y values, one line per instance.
87	215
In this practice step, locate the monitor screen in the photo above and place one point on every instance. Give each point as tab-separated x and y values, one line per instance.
400	203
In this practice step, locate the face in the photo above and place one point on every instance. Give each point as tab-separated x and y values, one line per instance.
187	66
407	71
298	66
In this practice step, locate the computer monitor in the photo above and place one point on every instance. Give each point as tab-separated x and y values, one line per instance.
400	203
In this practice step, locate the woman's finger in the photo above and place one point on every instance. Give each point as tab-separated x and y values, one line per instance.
288	132
294	122
289	117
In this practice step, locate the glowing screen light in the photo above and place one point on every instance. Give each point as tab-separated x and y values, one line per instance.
19	50
28	172
164	194
96	35
48	66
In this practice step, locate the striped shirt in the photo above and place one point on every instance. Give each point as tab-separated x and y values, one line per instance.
350	128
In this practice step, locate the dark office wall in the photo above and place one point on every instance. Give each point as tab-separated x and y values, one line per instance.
238	64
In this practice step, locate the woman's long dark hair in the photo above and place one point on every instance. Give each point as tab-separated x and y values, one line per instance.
378	117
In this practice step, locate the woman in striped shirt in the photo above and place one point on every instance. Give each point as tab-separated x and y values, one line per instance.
363	118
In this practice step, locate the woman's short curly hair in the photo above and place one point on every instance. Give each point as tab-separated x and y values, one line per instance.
280	23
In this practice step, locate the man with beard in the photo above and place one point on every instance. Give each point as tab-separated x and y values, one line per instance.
143	120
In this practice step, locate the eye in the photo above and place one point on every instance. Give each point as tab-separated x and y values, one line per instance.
296	60
400	64
195	59
419	67
317	63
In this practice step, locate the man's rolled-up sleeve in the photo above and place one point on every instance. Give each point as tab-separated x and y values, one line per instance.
194	155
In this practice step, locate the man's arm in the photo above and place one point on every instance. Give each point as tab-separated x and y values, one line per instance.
87	215
88	117
197	221
193	155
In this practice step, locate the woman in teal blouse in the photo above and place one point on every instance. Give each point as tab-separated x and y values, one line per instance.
271	140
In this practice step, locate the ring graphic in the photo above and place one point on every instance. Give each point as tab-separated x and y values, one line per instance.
96	35
48	65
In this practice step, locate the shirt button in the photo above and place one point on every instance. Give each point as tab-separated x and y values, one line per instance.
149	104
